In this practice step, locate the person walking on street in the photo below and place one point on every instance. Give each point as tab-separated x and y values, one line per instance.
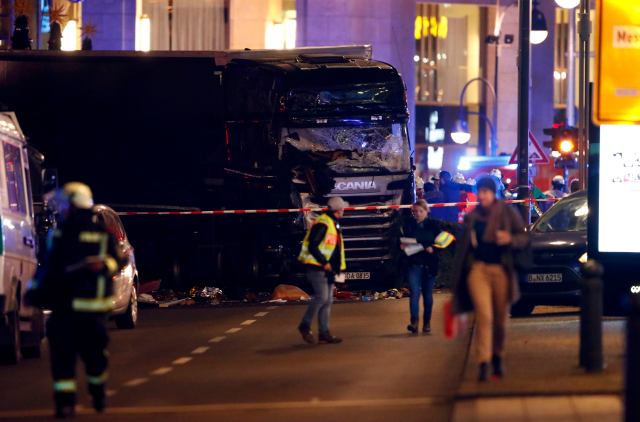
422	267
75	284
486	275
323	255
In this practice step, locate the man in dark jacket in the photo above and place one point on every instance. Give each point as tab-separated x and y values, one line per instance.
450	192
323	255
75	283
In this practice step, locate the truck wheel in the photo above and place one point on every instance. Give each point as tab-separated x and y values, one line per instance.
522	309
10	351
129	319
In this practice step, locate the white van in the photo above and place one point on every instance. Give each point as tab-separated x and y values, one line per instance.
21	327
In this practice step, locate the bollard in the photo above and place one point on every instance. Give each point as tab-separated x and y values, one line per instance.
591	356
632	369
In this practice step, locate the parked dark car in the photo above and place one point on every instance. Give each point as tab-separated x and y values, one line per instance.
125	283
559	244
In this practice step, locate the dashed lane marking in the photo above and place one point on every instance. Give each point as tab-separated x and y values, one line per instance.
217	339
227	407
248	322
182	360
162	371
199	350
271	308
261	314
135	382
111	393
233	330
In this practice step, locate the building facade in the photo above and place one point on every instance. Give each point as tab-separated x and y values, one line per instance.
438	46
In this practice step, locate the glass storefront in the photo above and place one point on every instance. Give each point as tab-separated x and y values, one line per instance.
449	53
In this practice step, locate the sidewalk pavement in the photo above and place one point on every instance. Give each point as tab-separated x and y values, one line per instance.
543	381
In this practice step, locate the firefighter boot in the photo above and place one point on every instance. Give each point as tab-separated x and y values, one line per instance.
65	405
98	395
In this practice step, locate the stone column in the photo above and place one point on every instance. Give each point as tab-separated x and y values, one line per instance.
386	24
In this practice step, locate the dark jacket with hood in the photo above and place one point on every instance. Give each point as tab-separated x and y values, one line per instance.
499	217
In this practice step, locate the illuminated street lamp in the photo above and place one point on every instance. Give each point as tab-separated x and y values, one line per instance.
461	133
539	30
568	4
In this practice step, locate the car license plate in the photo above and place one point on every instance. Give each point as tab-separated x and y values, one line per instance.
545	278
358	276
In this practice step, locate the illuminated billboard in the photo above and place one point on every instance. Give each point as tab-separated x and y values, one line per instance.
619	199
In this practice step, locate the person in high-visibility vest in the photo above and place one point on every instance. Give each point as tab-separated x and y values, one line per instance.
75	283
323	256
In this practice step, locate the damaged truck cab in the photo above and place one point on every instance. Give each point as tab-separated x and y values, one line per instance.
304	128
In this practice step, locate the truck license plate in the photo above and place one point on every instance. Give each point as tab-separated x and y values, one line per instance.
545	278
358	276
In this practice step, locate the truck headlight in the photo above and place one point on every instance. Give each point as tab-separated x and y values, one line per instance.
583	258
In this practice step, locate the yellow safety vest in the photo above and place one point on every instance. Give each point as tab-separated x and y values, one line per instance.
326	247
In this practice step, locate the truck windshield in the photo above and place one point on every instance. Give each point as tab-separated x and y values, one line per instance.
354	149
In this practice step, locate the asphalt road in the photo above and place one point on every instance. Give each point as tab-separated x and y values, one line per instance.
248	363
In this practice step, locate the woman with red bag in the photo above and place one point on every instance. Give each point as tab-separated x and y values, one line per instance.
486	276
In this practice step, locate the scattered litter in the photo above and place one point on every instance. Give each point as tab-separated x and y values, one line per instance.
252	297
394	293
146	298
171	303
275	301
165	295
288	292
212	295
344	294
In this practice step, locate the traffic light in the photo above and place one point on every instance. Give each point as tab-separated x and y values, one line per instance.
564	141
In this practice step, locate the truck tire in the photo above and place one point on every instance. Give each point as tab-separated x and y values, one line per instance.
129	319
10	352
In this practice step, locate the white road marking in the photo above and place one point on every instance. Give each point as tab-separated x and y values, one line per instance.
182	360
248	322
111	393
199	350
227	407
261	314
162	371
217	339
271	308
233	330
135	382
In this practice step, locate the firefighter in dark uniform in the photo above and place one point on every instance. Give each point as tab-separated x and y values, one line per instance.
75	283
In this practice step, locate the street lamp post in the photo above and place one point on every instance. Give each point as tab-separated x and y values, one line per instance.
523	105
584	102
462	132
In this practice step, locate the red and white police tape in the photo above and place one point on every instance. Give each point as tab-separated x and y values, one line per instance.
320	209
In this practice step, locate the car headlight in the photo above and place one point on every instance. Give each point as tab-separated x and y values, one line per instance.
583	258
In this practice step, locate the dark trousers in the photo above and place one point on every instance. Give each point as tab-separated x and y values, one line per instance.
71	335
421	284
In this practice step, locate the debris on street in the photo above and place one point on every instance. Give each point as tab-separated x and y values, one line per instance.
288	292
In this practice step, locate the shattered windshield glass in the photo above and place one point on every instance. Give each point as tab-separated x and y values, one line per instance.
352	149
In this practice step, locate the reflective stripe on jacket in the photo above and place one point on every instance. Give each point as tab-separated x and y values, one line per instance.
327	246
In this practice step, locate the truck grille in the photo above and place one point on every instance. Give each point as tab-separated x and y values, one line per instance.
370	236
